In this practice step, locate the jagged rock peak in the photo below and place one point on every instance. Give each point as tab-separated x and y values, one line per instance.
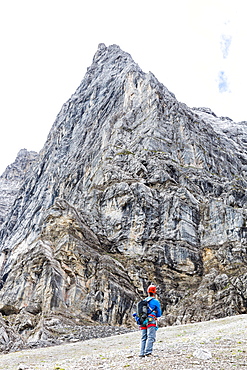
110	52
17	169
112	56
205	110
11	179
111	63
111	60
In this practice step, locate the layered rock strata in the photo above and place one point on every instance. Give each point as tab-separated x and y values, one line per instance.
131	187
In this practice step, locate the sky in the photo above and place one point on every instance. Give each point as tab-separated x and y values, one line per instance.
196	48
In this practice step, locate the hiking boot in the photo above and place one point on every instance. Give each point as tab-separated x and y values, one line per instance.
141	356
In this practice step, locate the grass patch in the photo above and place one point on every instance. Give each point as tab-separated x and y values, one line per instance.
125	152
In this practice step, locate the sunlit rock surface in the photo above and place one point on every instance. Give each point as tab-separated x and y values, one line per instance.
131	187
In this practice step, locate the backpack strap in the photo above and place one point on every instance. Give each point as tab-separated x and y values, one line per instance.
148	299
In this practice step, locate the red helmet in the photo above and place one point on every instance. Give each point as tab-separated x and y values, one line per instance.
152	289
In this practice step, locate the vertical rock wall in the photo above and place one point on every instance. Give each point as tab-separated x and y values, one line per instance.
131	187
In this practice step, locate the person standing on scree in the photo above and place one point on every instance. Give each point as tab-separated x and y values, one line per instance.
149	326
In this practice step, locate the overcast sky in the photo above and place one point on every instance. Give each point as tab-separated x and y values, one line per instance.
196	48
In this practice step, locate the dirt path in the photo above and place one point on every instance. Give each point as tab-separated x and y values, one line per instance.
225	340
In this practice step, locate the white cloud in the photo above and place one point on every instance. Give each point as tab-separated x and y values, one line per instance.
225	45
223	82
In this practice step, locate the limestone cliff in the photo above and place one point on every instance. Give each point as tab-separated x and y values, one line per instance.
130	187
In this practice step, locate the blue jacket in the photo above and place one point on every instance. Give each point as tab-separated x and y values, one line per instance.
154	305
153	312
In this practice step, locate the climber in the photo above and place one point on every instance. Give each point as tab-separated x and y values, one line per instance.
149	326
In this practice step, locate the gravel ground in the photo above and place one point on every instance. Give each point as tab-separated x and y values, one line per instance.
218	344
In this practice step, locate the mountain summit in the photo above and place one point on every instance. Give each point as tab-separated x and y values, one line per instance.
131	187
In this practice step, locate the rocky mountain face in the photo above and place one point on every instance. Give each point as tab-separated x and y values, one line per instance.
131	187
11	179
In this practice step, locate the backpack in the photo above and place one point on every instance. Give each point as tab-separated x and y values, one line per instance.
142	309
